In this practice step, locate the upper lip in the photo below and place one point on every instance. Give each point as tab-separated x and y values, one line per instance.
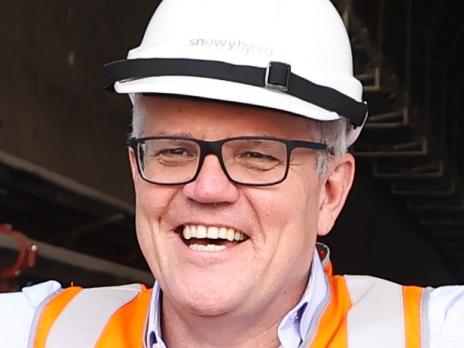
208	216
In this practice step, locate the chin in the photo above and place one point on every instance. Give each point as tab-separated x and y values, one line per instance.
211	309
207	300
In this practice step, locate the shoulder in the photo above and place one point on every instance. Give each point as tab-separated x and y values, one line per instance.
17	311
441	309
88	315
446	316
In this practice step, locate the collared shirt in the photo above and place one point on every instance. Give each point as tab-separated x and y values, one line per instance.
293	327
445	314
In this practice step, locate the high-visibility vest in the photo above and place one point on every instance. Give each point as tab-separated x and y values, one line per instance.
358	312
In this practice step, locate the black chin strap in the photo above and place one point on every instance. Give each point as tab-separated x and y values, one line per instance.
277	76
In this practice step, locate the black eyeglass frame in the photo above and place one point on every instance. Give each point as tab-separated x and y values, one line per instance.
215	147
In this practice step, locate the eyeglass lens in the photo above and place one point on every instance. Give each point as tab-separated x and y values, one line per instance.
248	161
169	160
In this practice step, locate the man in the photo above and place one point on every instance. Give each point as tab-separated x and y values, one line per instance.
243	111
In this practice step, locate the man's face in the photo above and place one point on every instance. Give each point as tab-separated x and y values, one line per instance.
280	222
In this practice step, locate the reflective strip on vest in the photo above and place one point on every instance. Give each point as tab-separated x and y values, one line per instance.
81	323
376	318
366	312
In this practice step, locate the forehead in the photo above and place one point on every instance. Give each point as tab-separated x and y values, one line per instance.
215	119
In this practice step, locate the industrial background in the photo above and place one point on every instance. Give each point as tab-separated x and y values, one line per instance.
64	176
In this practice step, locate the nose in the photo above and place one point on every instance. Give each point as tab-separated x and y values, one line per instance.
211	184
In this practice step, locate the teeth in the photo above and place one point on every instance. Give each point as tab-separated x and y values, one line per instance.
213	232
223	233
192	230
209	247
201	231
187	233
230	234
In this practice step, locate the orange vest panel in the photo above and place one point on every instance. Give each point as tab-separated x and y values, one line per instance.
126	326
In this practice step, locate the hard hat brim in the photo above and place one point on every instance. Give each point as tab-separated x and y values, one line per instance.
225	91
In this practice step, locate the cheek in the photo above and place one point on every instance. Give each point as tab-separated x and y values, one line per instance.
288	222
307	193
305	200
287	213
152	200
152	204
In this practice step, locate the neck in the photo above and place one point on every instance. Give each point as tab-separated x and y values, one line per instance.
257	329
200	332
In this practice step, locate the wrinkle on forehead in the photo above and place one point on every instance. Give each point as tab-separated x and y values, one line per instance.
148	108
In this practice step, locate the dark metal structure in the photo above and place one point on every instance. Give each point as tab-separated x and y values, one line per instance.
80	234
409	55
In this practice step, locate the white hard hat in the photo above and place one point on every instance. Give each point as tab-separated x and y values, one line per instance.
290	55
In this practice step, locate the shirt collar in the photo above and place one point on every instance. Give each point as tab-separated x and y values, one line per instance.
293	327
154	319
296	323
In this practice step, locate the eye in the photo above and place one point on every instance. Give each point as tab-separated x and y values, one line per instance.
173	152
171	149
257	156
260	161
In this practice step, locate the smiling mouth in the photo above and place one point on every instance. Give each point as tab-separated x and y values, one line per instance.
210	238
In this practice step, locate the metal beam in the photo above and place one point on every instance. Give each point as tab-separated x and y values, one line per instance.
80	260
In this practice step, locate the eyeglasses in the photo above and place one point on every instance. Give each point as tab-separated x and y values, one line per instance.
250	160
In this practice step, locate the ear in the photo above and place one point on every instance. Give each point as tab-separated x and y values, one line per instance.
334	191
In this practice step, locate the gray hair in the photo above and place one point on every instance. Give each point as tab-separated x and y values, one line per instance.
335	134
138	124
332	133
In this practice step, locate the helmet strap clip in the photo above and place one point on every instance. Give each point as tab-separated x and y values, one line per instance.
278	76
